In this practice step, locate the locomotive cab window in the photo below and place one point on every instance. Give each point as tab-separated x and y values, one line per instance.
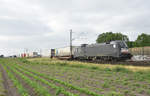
123	45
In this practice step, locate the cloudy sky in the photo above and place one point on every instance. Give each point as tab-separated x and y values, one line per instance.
46	23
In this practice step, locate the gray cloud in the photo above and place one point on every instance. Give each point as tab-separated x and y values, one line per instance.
20	27
46	23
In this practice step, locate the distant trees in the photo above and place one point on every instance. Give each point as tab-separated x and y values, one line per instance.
142	40
1	56
110	36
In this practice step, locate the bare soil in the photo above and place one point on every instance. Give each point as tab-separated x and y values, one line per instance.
24	84
52	91
99	81
8	84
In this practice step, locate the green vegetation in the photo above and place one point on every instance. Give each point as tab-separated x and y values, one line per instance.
51	77
39	90
59	89
16	83
58	81
142	40
109	36
2	89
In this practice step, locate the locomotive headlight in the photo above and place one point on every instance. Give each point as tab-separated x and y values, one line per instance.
124	50
114	46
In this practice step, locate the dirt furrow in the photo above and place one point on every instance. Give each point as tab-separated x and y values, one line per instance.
74	91
8	84
30	90
51	90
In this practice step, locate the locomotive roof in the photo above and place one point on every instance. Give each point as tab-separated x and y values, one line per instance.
112	42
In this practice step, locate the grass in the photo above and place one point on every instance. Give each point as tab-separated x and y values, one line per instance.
81	64
121	69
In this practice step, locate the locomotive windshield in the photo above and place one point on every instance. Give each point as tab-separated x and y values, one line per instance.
123	45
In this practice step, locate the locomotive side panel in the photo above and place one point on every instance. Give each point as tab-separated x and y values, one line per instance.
79	52
102	50
97	50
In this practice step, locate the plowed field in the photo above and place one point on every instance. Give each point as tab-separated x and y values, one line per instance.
46	77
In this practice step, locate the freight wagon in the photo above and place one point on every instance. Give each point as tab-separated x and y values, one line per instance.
140	51
63	52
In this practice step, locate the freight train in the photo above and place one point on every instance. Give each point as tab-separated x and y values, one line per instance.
113	50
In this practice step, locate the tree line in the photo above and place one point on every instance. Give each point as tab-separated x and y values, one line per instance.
141	41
